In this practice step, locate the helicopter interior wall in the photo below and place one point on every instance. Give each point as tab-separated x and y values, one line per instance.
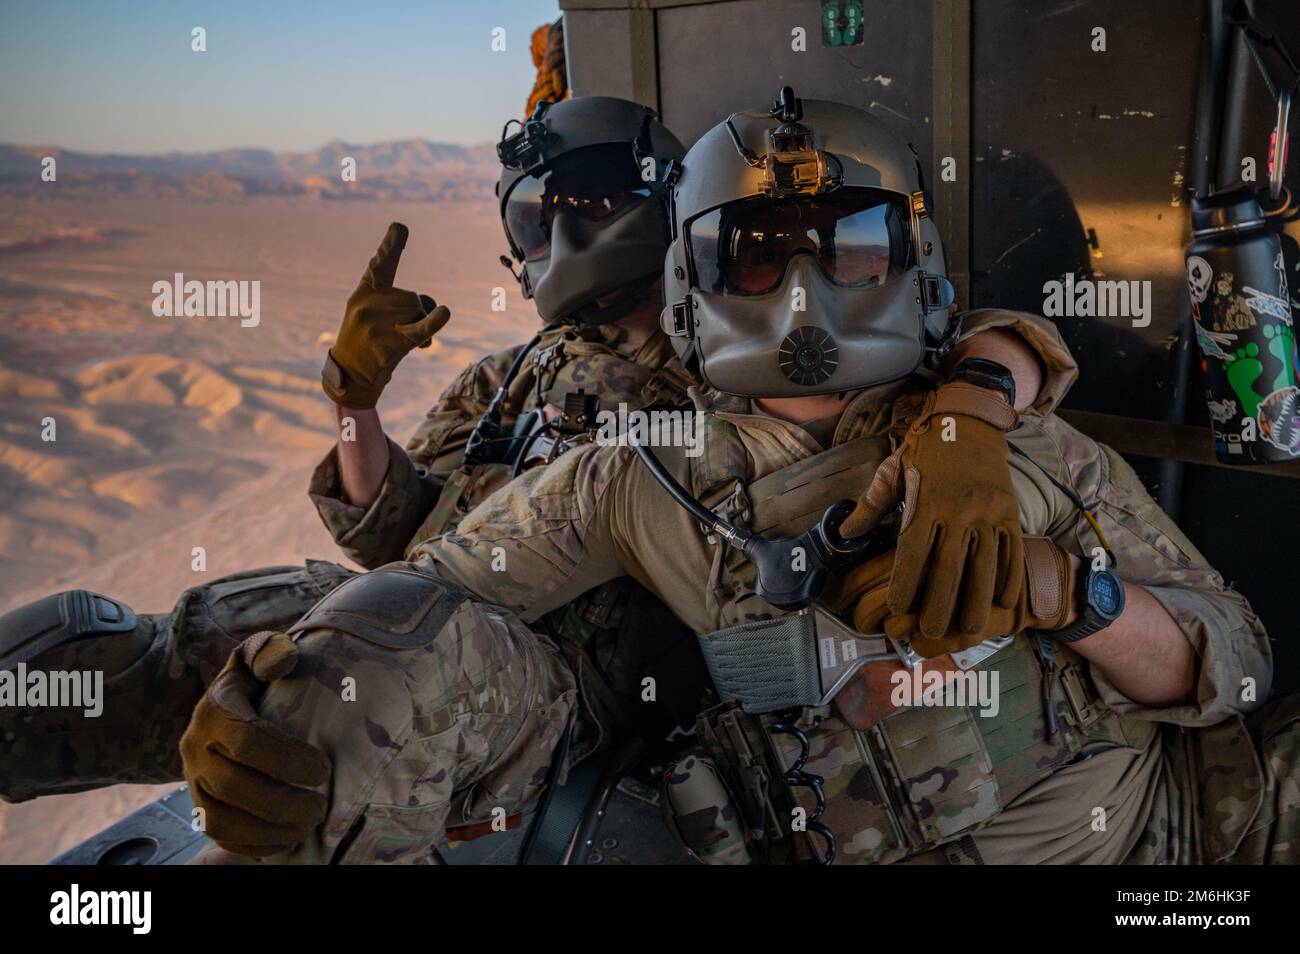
1080	162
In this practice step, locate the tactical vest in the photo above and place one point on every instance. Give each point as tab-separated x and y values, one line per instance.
561	363
618	633
921	778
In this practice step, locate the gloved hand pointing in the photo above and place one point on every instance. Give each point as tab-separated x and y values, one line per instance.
380	327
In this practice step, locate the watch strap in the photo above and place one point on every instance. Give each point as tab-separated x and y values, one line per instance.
1089	621
989	374
1087	624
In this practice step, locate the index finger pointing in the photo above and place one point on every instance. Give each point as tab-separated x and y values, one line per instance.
382	270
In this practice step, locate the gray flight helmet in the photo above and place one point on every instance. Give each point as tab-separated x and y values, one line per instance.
590	271
832	337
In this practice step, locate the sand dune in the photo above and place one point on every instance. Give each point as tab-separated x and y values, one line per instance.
175	433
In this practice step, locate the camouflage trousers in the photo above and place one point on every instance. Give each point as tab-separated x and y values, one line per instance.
153	678
1197	803
1211	799
435	710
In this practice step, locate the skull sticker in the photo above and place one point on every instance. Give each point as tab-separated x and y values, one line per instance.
1199	276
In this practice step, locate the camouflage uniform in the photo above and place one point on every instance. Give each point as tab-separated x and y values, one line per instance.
455	705
162	667
426	489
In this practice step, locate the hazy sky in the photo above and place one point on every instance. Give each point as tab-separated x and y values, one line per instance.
119	75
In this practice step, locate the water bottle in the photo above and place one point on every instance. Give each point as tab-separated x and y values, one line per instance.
1241	309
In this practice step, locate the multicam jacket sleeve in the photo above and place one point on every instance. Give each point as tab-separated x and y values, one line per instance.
595	514
545	538
1235	660
1042	338
378	534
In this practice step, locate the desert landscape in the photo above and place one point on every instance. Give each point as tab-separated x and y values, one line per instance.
176	433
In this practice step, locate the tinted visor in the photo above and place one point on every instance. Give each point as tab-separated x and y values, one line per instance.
596	183
859	237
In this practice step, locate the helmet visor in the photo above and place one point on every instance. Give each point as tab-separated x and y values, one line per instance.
595	184
859	237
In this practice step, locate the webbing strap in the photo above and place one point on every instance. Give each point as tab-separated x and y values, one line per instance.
557	813
1183	442
767	665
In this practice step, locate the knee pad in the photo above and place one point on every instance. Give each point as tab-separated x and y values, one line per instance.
395	606
58	622
212	618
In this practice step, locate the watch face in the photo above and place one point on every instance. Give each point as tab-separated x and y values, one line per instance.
1105	594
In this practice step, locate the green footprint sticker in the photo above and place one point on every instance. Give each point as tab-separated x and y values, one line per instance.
1244	369
1281	343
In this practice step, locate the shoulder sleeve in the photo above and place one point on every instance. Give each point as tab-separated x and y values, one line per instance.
438	444
378	534
543	539
1041	336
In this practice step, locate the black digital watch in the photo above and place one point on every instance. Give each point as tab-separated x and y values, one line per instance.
987	374
1100	602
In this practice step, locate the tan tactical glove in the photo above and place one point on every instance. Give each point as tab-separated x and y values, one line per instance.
1044	601
253	780
960	554
380	327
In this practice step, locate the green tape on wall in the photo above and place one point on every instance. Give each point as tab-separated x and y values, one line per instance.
842	23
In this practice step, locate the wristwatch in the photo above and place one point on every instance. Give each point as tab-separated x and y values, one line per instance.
988	374
1100	602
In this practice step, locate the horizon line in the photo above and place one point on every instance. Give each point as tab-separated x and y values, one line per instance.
198	152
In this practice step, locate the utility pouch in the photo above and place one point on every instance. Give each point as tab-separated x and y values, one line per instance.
740	746
925	776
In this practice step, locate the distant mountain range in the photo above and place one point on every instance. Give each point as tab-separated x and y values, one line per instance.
412	169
